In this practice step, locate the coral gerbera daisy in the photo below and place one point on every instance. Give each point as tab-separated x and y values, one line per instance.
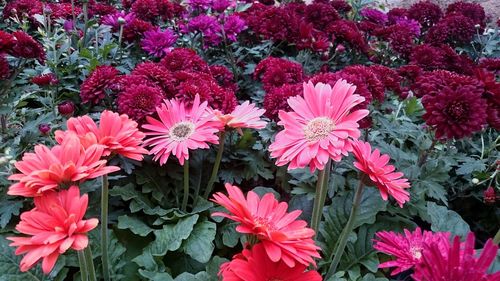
117	133
282	235
457	261
55	225
407	248
374	165
254	265
245	115
62	165
319	127
180	129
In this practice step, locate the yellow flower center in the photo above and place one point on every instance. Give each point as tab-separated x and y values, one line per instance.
181	131
318	128
416	252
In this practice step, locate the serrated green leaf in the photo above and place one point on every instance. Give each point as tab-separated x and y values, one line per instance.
135	225
199	244
171	236
9	208
443	219
155	276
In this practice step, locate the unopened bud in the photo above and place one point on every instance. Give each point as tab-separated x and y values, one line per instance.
475	181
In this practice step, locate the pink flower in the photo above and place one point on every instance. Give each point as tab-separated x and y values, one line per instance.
457	261
62	165
374	165
407	248
158	43
254	265
180	129
55	225
117	133
319	126
283	237
245	115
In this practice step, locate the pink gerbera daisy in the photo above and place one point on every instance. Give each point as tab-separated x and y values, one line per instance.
319	126
55	225
117	133
407	248
180	129
254	265
245	115
282	235
62	165
457	261
374	165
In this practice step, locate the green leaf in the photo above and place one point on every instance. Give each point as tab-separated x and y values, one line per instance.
443	219
155	276
200	276
470	166
200	244
171	236
139	201
8	208
135	225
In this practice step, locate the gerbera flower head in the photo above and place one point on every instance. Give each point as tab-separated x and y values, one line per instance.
255	265
158	43
94	87
64	164
245	115
283	237
55	225
118	133
319	127
406	248
457	261
374	165
180	129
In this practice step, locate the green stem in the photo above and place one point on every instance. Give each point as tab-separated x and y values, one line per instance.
186	186
215	169
83	266
496	239
90	263
85	20
320	198
104	226
347	230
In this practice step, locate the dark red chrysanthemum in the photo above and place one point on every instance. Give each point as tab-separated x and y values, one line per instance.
135	29
4	68
340	5
400	37
430	58
63	10
492	96
347	32
431	83
455	112
139	101
397	13
184	59
320	15
389	77
45	79
7	41
426	13
276	99
276	72
270	22
94	88
100	9
147	10
224	77
455	29
26	47
491	64
158	75
22	8
473	11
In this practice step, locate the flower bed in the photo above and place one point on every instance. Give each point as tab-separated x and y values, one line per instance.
224	140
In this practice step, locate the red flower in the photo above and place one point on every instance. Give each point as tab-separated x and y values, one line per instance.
27	47
20	8
270	22
157	75
7	41
457	261
346	31
147	10
66	108
276	99
63	10
184	59
45	79
276	72
491	64
254	265
455	29
224	77
473	11
389	77
139	101
426	13
94	88
135	29
320	15
284	238
490	196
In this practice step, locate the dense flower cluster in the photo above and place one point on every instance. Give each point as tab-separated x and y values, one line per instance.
276	72
101	80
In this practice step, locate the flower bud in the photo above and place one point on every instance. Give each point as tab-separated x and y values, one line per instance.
490	196
66	108
121	21
475	181
340	48
44	128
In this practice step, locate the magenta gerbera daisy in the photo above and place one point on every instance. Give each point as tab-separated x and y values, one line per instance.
180	129
319	127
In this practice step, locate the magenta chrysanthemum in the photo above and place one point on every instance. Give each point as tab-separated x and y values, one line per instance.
158	43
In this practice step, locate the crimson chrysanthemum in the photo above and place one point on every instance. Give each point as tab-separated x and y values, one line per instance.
277	99
224	77
26	47
184	59
54	226
347	32
139	101
474	11
7	41
383	176
254	265
180	129
94	88
406	249
65	164
276	72
319	127
45	79
117	133
426	13
455	29
156	74
283	237
456	261
135	29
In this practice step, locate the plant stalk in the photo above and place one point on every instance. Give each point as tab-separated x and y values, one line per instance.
186	186
496	239
90	263
104	227
320	198
83	266
215	169
347	230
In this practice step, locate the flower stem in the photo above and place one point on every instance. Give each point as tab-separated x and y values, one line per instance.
90	263
215	169
347	230
104	227
496	239
186	186
321	192
83	266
